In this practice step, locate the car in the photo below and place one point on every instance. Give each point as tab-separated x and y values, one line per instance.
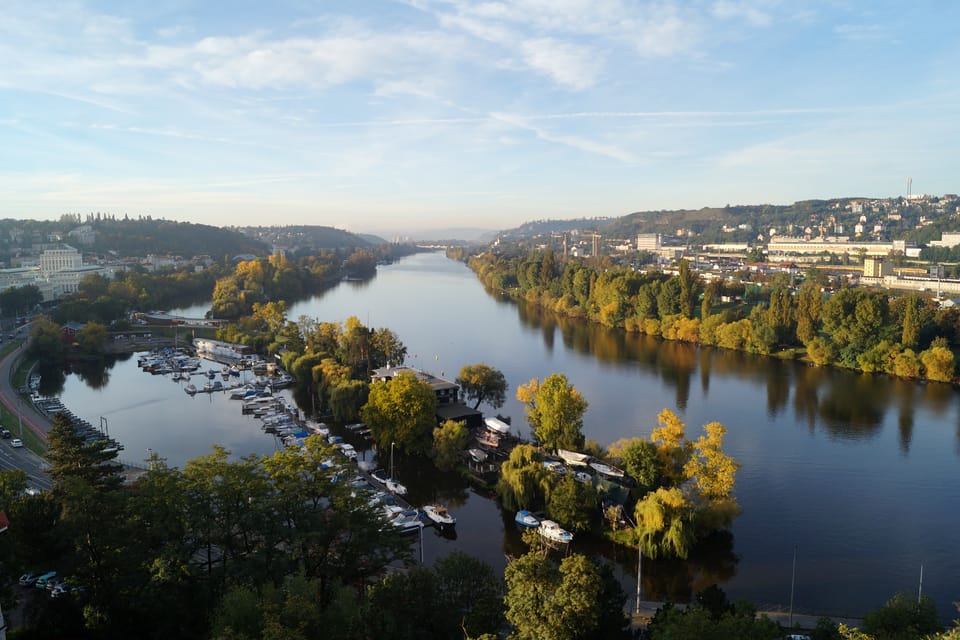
41	582
28	579
16	443
5	434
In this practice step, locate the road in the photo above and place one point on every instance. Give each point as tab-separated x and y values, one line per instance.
30	418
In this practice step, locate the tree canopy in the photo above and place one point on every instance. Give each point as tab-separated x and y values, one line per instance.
402	410
554	411
482	383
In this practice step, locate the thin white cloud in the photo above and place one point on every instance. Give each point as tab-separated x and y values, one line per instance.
571	66
575	142
741	10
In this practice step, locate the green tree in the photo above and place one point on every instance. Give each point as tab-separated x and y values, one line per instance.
639	459
572	503
46	340
402	410
545	601
523	478
688	288
482	383
809	309
554	411
911	323
91	338
903	617
449	441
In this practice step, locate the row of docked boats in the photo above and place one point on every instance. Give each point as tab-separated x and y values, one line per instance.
53	406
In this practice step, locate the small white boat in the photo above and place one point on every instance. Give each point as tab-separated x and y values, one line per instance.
526	519
439	515
190	388
607	470
553	531
555	466
395	487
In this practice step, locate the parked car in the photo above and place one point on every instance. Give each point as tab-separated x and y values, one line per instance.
5	434
16	443
28	579
41	582
67	588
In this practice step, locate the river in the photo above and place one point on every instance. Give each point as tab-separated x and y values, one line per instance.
856	474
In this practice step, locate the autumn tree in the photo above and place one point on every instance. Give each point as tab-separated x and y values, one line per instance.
482	383
402	410
554	411
664	520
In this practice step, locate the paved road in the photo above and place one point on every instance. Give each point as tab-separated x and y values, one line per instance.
22	458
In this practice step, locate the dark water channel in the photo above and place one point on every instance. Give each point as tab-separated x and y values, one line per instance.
859	473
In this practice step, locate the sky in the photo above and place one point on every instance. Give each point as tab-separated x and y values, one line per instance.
385	116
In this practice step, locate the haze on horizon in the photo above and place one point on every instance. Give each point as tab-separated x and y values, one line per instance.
409	115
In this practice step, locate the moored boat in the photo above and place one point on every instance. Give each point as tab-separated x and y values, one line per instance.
395	487
438	515
526	519
607	470
190	388
553	531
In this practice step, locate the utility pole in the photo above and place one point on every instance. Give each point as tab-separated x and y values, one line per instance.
920	591
639	573
793	578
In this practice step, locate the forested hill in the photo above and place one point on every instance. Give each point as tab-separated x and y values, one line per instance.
538	227
141	237
309	238
758	217
729	223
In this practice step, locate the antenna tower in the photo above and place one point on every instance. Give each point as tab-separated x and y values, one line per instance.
909	188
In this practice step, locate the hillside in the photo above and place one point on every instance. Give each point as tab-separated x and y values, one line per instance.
146	236
308	238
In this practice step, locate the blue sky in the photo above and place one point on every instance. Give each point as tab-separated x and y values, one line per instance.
392	116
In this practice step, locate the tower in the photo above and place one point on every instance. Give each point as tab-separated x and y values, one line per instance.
909	188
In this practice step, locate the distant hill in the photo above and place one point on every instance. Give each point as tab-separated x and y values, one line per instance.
306	238
140	237
540	227
744	223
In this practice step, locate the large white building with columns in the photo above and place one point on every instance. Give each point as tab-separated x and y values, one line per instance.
59	273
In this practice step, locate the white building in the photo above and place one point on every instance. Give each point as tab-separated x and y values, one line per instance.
59	274
649	242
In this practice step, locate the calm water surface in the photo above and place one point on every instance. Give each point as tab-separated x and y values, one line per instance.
858	473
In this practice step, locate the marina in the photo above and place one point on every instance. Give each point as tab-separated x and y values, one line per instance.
847	447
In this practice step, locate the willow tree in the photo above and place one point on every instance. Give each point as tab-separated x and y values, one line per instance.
523	479
665	523
554	411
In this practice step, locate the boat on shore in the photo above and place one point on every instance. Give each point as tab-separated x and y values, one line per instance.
526	519
438	515
606	470
554	532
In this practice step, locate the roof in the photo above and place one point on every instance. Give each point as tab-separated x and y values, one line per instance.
456	411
